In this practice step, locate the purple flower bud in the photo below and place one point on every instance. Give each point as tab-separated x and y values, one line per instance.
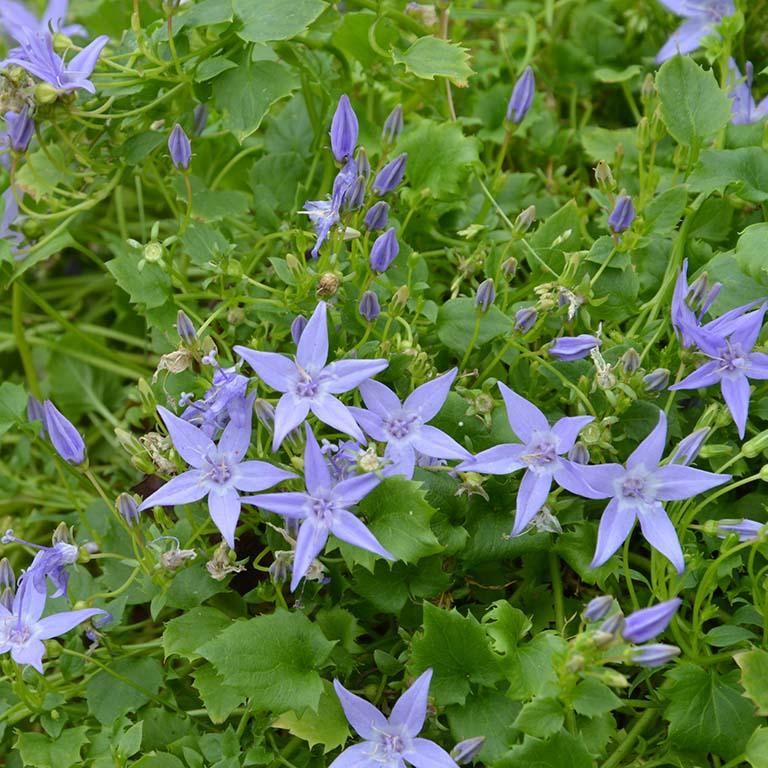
598	608
525	319
344	130
486	295
468	750
179	147
647	623
710	298
653	655
20	129
622	215
570	348
184	328
630	360
377	216
390	175
200	119
369	306
656	381
698	288
6	599
128	508
746	530
35	410
384	251
688	448
522	97
7	576
265	412
297	327
355	195
613	624
363	163
579	454
525	219
66	440
393	126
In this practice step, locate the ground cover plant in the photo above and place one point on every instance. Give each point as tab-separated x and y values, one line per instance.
383	383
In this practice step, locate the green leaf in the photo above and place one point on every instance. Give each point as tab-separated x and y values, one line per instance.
727	635
744	171
220	699
456	324
457	649
754	676
757	749
184	635
273	659
428	146
275	19
592	698
506	625
692	104
561	751
750	252
431	57
204	13
327	726
39	751
541	717
13	404
43	171
707	711
109	697
608	75
399	517
247	93
204	244
158	760
139	146
148	286
531	669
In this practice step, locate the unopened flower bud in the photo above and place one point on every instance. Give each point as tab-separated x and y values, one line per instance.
393	126
653	655
297	327
746	530
688	448
20	129
525	319
630	360
384	251
622	215
6	599
569	348
363	163
647	623
698	288
486	295
185	328
35	410
509	267
575	663
710	299
328	285
614	679
579	454
656	381
281	567
180	147
45	94
648	88
613	624
525	219
598	608
344	130
468	750
128	508
390	176
369	306
522	97
377	215
7	576
200	119
400	299
65	439
604	175
355	196
265	412
602	639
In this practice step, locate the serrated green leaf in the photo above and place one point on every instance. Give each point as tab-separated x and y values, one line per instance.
220	699
109	697
273	660
267	20
560	751
754	675
149	286
593	698
39	751
541	717
431	57
457	649
692	104
184	635
757	749
744	171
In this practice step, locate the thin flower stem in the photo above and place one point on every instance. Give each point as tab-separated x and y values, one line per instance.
472	341
557	591
643	722
17	315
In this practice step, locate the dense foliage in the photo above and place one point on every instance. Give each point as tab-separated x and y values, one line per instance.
383	381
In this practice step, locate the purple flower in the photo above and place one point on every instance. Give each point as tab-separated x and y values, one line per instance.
384	251
388	742
525	319
309	383
647	623
732	363
185	328
66	440
393	126
128	508
20	129
636	492
746	530
297	327
369	306
390	176
36	55
744	110
377	215
486	295
344	130
569	348
16	19
9	218
468	750
656	381
539	454
49	562
22	631
701	18
622	215
688	448
598	608
653	655
217	471
180	147
223	401
522	97
403	426
323	510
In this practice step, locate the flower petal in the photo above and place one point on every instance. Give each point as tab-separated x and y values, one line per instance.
736	395
686	38
309	544
30	653
84	63
289	413
429	398
236	438
258	476
276	371
433	442
534	489
352	490
225	512
758	366
704	376
648	454
312	349
403	459
290	504
334	413
600	479
347	527
344	375
370	422
524	417
677	481
426	754
356	756
615	525
59	623
185	488
367	721
317	476
567	430
410	710
499	460
379	398
191	443
659	532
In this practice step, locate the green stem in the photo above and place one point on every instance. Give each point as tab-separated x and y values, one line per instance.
21	339
645	720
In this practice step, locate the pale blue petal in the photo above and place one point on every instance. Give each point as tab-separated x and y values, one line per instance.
30	653
410	710
429	398
659	532
600	479
317	475
736	395
367	721
615	525
370	422
426	754
758	366
225	512
191	443
309	544
499	460
290	504
433	442
648	454
379	398
354	489
567	430
524	417
258	476
704	376
356	756
685	39
59	623
334	413
275	370
289	413
344	375
534	489
402	458
677	481
84	63
236	438
347	527
312	349
186	488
